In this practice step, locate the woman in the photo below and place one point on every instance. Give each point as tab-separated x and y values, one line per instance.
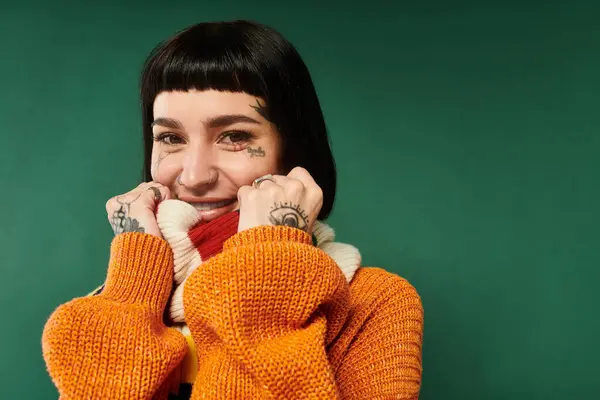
222	280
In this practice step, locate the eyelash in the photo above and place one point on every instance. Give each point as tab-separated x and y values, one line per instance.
245	137
161	138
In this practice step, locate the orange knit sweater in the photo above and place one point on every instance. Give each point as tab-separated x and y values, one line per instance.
272	317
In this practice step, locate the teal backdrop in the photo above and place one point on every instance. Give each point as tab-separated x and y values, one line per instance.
466	136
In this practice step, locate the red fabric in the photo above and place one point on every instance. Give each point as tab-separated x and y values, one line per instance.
209	237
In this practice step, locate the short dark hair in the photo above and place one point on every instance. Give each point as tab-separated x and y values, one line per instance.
245	56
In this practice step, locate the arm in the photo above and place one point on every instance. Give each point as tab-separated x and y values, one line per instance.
115	344
261	314
384	358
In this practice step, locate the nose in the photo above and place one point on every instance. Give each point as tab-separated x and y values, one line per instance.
198	170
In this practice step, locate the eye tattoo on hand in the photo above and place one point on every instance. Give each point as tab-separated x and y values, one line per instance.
288	214
121	222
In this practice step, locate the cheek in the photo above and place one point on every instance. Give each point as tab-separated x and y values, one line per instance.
242	168
165	168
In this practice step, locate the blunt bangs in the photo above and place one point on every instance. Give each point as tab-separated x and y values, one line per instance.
206	57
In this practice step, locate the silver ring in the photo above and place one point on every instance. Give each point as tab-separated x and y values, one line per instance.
157	193
258	181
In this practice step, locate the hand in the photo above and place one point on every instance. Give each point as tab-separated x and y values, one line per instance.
135	211
294	200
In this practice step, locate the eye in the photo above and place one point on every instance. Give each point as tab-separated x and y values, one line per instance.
168	139
288	215
235	137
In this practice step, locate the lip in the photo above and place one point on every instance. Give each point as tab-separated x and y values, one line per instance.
204	199
209	215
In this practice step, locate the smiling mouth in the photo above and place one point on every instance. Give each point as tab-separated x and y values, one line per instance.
212	206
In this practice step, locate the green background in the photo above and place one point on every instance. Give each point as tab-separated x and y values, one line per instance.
466	136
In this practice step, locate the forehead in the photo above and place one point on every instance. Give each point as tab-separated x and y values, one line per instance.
202	103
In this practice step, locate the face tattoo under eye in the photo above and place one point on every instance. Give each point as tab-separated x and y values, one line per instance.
156	164
264	112
256	152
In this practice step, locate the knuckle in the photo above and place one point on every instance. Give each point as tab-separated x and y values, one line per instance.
295	186
110	204
315	196
243	191
295	190
273	189
317	191
299	170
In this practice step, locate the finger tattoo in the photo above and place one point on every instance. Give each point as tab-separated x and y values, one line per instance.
157	193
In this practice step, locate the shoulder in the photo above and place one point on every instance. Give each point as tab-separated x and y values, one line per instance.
372	288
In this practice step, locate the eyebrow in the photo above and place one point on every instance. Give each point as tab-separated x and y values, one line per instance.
228	119
167	123
215	122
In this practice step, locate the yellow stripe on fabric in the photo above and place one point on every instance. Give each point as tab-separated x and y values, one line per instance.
96	291
189	364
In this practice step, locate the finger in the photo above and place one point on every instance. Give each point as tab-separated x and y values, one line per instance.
158	196
266	184
280	180
291	185
268	180
303	176
165	193
313	190
243	192
145	185
157	191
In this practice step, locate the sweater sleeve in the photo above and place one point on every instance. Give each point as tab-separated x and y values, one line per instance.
383	360
115	344
261	314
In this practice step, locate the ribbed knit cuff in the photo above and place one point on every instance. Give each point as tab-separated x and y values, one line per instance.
267	233
140	270
209	238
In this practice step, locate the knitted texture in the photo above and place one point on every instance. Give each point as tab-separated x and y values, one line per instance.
272	317
194	241
191	245
208	238
115	345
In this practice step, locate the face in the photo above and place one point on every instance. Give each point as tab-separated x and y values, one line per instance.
207	144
